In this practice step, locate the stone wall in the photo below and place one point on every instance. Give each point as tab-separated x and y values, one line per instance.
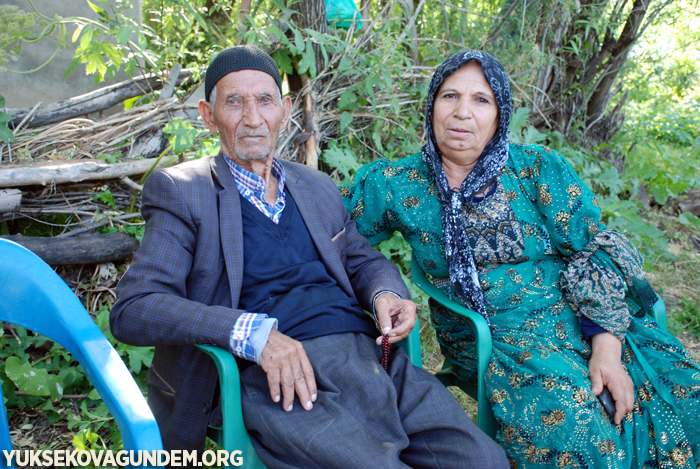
48	85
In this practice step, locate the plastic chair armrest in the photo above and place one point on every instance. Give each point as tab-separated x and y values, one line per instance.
234	434
121	395
411	345
481	330
482	336
658	312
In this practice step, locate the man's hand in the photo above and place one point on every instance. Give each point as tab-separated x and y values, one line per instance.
285	362
605	369
396	316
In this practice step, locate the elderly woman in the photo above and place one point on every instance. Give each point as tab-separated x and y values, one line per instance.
510	231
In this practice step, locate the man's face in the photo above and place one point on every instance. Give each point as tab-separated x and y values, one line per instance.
247	113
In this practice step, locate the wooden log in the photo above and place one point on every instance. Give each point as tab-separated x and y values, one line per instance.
94	101
73	172
93	249
10	200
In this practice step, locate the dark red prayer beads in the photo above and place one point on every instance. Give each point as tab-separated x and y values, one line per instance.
385	352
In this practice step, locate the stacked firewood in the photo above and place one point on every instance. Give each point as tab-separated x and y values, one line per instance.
67	153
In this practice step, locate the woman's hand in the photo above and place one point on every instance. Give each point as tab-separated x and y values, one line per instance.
605	369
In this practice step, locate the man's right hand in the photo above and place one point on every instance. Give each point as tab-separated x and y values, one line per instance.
285	362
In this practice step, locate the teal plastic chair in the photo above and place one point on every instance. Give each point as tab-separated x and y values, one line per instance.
33	296
233	435
482	335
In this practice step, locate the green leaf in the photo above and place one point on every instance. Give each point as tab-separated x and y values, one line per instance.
76	33
208	147
33	381
347	100
518	120
85	440
342	158
298	40
532	135
108	229
345	62
202	22
302	65
87	37
687	218
93	58
377	139
97	9
71	376
111	159
94	395
136	231
6	134
2	101
311	57
106	197
124	34
345	121
181	135
283	61
610	179
140	357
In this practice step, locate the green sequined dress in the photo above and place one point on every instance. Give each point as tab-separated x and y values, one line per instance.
544	258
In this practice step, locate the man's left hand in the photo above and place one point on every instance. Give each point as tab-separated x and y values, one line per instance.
396	316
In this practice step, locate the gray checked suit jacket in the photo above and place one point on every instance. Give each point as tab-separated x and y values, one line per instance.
184	285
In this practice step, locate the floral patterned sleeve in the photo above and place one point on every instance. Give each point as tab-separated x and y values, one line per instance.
367	201
600	263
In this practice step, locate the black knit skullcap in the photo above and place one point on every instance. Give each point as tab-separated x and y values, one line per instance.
238	58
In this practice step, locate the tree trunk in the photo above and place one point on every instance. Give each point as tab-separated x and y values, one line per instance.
312	15
365	9
576	85
616	52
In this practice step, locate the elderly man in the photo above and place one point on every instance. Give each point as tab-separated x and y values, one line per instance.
260	257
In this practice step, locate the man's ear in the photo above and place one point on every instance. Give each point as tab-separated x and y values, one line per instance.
286	110
207	113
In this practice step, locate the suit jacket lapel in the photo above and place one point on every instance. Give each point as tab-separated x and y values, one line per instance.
305	199
230	226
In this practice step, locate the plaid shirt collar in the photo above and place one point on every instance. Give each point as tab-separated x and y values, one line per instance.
253	188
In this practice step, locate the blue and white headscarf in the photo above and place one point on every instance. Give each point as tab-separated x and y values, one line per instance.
463	273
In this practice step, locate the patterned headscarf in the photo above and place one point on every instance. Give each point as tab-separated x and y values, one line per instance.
463	273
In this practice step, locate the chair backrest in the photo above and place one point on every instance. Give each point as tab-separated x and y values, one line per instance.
32	295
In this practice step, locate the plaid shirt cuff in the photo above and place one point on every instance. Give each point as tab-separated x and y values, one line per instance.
246	326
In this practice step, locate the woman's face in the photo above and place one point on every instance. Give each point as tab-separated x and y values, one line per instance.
465	115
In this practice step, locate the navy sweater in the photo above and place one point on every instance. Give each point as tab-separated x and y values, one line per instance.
285	278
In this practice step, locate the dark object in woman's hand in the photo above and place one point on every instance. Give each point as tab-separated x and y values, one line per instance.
607	400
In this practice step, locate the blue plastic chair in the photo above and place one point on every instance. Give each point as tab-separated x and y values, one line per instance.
32	295
233	435
482	336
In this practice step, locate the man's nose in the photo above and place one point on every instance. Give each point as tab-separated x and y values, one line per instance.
251	113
